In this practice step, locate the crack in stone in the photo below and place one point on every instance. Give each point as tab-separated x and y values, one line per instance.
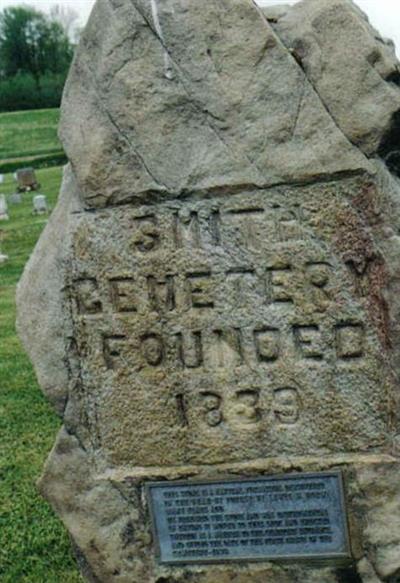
298	109
163	187
195	194
321	100
75	436
202	110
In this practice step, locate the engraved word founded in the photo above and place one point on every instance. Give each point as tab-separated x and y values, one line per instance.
217	348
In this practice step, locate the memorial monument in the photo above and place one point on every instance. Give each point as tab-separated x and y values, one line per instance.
3	208
213	308
26	178
40	206
15	198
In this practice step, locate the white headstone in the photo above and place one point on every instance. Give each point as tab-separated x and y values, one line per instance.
3	258
3	208
15	198
40	204
1	178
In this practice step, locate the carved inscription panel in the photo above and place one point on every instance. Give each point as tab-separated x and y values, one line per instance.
225	330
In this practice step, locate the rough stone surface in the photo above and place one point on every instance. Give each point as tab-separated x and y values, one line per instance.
49	332
193	109
354	70
216	293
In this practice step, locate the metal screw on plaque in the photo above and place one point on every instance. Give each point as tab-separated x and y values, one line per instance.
26	179
3	208
40	205
15	198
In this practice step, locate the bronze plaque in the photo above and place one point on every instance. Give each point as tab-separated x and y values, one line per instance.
297	516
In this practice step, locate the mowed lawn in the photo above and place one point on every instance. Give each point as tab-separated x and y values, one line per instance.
34	547
26	136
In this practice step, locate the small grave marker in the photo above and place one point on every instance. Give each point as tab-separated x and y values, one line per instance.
3	208
26	179
40	205
3	256
15	198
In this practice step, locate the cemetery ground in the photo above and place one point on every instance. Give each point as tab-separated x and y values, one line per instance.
29	138
34	547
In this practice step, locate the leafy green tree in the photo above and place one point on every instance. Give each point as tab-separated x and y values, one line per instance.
31	43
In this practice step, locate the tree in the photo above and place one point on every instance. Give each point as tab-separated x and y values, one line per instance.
31	43
68	18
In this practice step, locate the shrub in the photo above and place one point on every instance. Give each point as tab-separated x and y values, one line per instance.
23	91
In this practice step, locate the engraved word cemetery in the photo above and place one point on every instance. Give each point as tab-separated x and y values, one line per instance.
213	308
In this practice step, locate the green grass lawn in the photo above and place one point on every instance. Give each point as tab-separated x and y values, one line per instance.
27	137
34	546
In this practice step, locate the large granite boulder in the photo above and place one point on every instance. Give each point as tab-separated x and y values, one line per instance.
216	293
172	102
353	69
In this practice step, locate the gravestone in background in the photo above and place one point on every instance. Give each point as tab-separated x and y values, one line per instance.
3	256
15	198
26	178
3	208
40	205
213	307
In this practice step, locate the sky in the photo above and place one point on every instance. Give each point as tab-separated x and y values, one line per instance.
82	7
383	14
